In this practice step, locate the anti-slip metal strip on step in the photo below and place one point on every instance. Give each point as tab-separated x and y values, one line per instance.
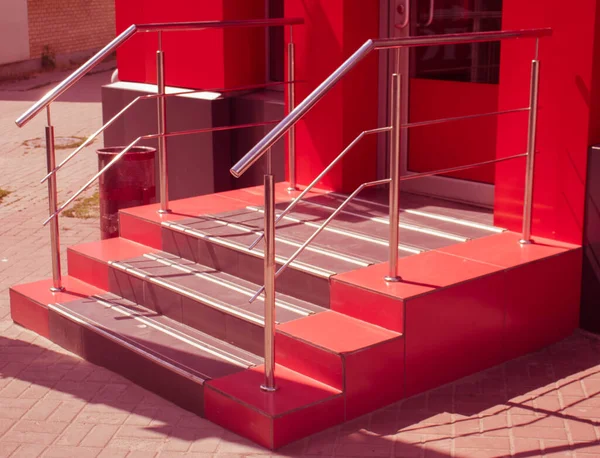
318	250
431	215
136	348
176	334
344	232
317	271
409	227
200	344
190	294
225	283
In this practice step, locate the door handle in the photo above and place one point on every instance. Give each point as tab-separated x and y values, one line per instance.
403	8
430	19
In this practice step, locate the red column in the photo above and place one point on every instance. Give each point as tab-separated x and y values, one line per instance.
334	29
568	115
214	58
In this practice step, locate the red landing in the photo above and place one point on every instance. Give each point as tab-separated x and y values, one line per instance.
457	310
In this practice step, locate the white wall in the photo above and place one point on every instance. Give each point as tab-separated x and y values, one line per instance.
14	31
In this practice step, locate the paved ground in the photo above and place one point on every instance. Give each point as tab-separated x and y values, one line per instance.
54	404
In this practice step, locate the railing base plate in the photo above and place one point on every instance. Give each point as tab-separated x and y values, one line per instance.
268	389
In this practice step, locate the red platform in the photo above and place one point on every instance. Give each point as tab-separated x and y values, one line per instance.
190	330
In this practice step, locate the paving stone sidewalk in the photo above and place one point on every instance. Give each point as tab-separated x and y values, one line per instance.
54	404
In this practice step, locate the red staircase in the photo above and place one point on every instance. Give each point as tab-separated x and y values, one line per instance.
166	305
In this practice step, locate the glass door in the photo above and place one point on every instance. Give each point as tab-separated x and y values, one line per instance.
449	81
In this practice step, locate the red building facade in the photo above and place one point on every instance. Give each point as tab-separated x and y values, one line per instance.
441	82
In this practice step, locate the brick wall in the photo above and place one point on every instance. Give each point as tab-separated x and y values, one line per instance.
69	26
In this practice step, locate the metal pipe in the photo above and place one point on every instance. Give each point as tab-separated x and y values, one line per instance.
161	114
91	138
291	106
458	38
148	137
201	25
208	129
320	229
462	118
459	168
531	143
394	148
91	180
269	219
321	176
75	76
384	43
128	33
52	202
279	131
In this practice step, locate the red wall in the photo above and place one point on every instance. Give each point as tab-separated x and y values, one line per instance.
219	58
334	29
568	116
457	143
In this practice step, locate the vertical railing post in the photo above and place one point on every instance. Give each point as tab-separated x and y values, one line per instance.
531	144
269	266
162	129
394	153
291	106
52	205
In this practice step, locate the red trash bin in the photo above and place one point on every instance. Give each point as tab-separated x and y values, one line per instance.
129	182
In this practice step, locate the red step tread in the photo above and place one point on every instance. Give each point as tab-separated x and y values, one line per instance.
211	203
422	274
504	250
301	406
336	332
29	301
117	249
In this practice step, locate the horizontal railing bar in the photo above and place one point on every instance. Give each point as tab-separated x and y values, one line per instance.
351	145
91	180
461	118
209	129
149	137
153	96
68	82
385	43
458	169
90	139
458	38
201	25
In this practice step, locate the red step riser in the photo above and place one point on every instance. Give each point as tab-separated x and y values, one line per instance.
140	230
272	433
378	309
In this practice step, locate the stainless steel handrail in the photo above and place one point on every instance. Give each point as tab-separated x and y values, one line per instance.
370	45
320	229
332	164
57	91
108	123
288	123
134	143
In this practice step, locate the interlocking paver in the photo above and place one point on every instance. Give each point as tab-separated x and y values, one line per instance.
52	403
